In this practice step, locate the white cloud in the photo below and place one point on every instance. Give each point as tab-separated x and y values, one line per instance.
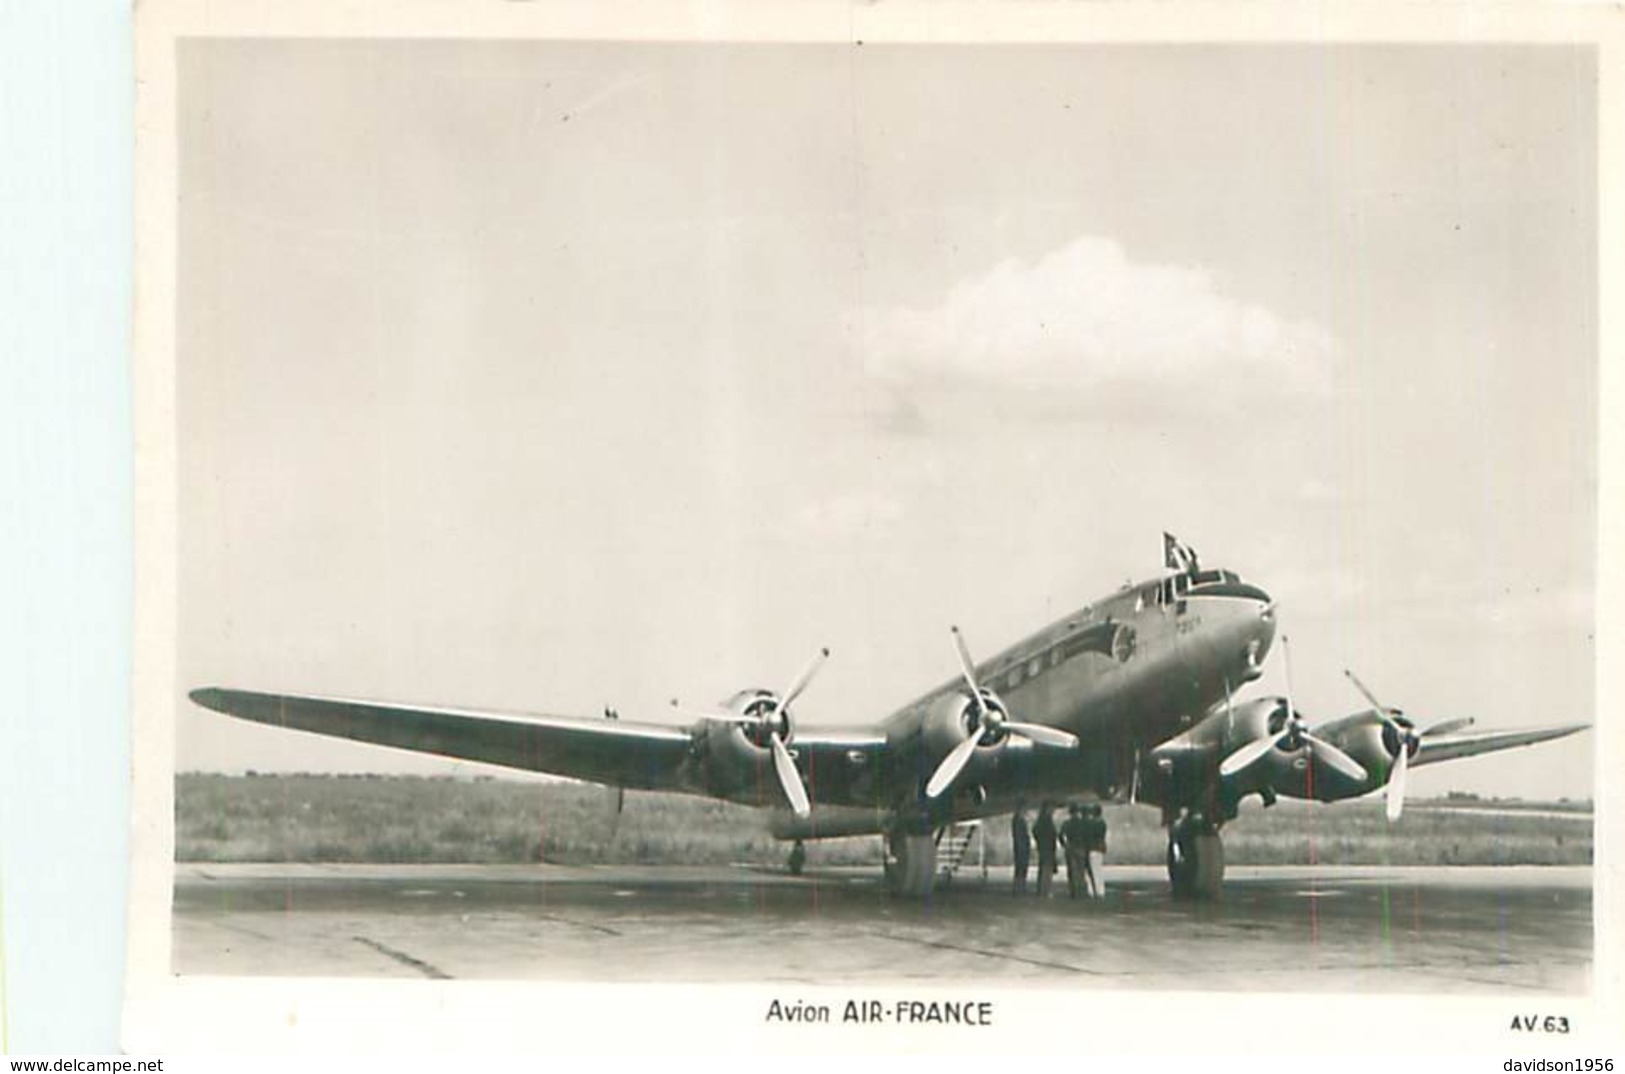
1085	318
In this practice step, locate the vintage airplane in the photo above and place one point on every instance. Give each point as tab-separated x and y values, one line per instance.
1128	699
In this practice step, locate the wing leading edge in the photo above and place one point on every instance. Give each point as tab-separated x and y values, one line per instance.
1449	747
623	753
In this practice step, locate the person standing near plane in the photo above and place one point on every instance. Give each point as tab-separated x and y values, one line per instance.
1021	847
1095	852
1044	836
1075	838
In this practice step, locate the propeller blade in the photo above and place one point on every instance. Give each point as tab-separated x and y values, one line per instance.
1396	783
1043	734
1448	726
1248	755
1382	710
803	679
789	778
1339	760
1286	666
952	765
967	668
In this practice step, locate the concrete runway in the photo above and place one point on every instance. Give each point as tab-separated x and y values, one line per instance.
1373	929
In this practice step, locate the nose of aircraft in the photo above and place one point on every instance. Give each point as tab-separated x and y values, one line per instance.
1263	633
1237	627
1266	617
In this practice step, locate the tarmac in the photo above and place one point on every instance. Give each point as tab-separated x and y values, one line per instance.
1466	930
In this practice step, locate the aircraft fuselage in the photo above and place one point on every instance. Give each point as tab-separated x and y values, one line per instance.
1122	674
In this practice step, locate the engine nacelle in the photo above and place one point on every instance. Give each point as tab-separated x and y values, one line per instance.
953	718
1372	741
1294	770
758	713
735	747
1219	734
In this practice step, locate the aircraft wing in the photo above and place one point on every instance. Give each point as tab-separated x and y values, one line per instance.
1449	747
623	753
836	766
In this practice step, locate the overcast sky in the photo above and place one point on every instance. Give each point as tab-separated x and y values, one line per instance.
545	376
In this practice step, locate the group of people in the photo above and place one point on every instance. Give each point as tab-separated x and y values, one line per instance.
1082	837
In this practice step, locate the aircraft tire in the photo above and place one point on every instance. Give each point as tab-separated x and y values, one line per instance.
1180	871
1207	879
1197	870
914	867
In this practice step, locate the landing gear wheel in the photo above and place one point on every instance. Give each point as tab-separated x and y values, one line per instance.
1208	883
798	858
1180	867
913	869
1196	865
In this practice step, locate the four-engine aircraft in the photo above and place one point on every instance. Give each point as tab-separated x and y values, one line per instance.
1131	698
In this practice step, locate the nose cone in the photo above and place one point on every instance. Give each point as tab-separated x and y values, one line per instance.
1263	605
1248	615
1235	627
1263	636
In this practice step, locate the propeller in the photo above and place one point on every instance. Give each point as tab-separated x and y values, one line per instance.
1449	727
1293	730
804	679
768	706
783	763
789	778
1408	741
990	722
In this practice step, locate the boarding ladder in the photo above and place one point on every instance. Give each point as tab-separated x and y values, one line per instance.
954	845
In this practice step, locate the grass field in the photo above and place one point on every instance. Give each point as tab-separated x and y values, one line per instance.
314	818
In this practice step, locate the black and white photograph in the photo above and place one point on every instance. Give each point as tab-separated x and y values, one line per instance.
891	528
